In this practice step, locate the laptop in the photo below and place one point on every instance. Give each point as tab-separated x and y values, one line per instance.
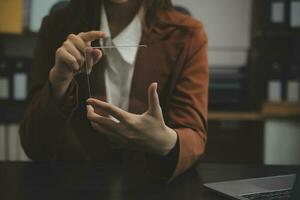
283	187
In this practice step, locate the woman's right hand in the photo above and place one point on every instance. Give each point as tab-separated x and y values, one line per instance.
70	58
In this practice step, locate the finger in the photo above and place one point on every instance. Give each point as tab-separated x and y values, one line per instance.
68	59
97	55
104	121
110	109
89	59
78	42
92	35
153	101
92	56
90	109
74	52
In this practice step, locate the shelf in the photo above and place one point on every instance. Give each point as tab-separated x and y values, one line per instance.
269	110
234	116
25	33
292	33
282	109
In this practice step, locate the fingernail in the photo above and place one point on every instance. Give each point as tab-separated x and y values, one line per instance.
89	108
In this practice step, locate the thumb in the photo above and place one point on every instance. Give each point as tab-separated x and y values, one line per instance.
97	55
89	109
92	56
89	59
154	108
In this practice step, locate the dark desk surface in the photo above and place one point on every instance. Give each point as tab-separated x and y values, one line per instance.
93	181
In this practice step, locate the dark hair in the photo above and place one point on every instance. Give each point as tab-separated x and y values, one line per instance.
152	6
183	10
85	13
58	5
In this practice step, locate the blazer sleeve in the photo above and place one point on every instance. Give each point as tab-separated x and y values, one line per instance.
44	119
187	113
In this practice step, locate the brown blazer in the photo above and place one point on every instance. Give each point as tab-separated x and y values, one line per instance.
176	58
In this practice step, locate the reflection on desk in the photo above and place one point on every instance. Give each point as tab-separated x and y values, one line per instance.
25	180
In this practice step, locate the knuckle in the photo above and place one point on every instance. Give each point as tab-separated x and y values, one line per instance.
73	61
65	44
130	122
59	50
71	36
80	34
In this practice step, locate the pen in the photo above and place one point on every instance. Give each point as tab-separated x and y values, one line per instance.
119	46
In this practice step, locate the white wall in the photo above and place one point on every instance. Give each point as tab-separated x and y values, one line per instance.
38	10
228	24
282	142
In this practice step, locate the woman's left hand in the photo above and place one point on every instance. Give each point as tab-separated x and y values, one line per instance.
147	131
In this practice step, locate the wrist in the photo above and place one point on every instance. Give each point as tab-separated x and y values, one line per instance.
58	77
171	139
59	84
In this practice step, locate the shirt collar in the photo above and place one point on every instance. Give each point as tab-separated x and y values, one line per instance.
131	35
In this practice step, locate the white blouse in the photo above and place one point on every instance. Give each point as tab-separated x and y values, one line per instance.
121	61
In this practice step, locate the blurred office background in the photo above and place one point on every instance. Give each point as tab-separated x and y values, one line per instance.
254	62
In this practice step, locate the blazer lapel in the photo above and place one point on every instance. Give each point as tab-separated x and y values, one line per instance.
154	64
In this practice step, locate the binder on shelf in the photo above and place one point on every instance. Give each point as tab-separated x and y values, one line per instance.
274	84
293	90
276	58
274	91
20	80
278	14
293	84
14	150
227	89
293	73
2	142
295	14
4	80
11	15
13	153
14	78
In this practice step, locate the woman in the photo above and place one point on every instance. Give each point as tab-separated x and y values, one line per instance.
157	94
